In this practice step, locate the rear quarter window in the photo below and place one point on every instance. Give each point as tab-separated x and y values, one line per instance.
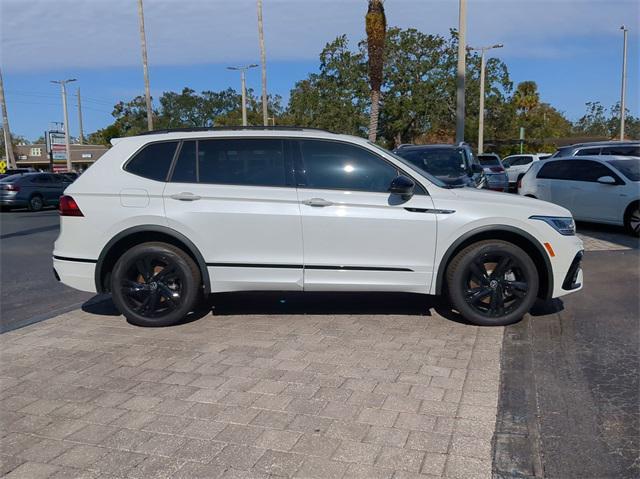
153	161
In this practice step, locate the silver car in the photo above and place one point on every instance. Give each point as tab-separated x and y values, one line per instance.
621	148
494	171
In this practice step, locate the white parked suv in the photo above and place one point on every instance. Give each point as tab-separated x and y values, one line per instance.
163	219
517	165
602	189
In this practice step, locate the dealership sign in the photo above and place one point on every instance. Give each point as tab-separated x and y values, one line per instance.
56	146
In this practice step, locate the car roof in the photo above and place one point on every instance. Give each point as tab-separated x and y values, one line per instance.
432	146
602	143
235	132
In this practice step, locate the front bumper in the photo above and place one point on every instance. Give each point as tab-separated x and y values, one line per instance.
573	280
8	201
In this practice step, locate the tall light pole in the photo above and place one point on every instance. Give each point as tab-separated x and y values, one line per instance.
243	86
67	143
145	67
624	79
483	65
8	146
81	133
263	60
462	33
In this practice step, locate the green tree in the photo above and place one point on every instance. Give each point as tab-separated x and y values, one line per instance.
526	96
376	27
599	121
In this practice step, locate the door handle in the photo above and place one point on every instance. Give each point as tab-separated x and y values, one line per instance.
185	196
317	202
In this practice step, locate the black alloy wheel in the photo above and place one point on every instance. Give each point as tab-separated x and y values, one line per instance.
492	282
155	284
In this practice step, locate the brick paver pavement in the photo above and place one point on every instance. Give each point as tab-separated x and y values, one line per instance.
375	396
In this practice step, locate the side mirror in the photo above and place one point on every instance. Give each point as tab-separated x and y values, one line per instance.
607	180
403	186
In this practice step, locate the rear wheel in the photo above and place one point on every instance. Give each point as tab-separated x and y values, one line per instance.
36	203
632	219
492	283
155	284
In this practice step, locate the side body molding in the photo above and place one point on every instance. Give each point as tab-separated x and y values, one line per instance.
202	265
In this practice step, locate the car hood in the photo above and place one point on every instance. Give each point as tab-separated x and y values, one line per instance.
495	201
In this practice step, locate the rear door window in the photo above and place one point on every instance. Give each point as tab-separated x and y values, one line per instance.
575	170
249	162
153	161
185	169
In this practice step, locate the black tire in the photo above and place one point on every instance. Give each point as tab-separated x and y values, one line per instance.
36	203
492	283
632	219
155	284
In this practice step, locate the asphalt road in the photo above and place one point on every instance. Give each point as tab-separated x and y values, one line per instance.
570	385
28	290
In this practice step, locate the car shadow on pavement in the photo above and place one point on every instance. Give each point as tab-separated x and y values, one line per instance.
609	233
308	303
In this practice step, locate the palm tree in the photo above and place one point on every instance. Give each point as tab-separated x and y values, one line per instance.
526	97
376	25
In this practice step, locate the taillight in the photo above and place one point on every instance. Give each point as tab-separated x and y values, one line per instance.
10	187
69	207
497	169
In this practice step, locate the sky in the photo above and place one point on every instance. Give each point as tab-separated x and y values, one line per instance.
571	48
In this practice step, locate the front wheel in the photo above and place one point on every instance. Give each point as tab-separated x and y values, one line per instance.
36	203
155	284
492	283
632	220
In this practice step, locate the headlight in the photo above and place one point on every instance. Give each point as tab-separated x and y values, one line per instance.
563	225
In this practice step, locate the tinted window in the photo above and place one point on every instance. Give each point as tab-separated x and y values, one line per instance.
153	161
575	170
440	162
489	160
251	162
185	169
629	168
333	165
520	160
622	150
588	151
41	179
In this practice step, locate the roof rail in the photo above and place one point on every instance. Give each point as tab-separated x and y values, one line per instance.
232	128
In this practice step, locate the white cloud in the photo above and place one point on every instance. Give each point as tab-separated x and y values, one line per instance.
45	34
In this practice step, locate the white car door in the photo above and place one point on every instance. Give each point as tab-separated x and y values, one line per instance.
358	236
235	200
592	200
518	165
555	184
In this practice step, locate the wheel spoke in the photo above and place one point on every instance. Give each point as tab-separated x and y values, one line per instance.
167	272
501	268
130	287
144	268
474	295
497	301
171	297
479	271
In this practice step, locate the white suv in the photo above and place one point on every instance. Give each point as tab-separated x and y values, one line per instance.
517	165
165	218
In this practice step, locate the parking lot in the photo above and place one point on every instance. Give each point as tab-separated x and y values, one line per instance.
322	385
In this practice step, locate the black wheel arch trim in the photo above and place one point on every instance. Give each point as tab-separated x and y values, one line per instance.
202	265
494	229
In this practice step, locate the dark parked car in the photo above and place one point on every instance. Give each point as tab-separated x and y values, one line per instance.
455	165
15	171
497	178
31	190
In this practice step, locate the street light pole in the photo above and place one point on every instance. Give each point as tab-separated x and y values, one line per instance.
81	135
624	80
483	65
145	67
243	86
263	60
462	32
8	146
67	143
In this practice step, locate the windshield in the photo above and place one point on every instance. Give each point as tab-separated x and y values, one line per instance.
629	168
426	174
444	163
489	160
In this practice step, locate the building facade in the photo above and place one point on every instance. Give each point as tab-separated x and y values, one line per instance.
35	156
